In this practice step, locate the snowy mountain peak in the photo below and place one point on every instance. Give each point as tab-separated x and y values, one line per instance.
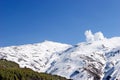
49	42
96	59
90	37
35	56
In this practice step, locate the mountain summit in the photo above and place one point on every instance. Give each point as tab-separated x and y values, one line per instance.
96	59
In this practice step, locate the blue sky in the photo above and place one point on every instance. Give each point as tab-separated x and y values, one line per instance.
32	21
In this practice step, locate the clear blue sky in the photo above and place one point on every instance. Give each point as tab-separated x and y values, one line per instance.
32	21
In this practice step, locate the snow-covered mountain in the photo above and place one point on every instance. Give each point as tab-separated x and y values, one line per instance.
98	58
34	56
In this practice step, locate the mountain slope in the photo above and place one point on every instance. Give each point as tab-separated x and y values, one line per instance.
34	56
11	71
96	59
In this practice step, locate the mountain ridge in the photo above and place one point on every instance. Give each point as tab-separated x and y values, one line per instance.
95	59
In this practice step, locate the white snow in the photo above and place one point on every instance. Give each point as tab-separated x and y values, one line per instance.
34	56
96	59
